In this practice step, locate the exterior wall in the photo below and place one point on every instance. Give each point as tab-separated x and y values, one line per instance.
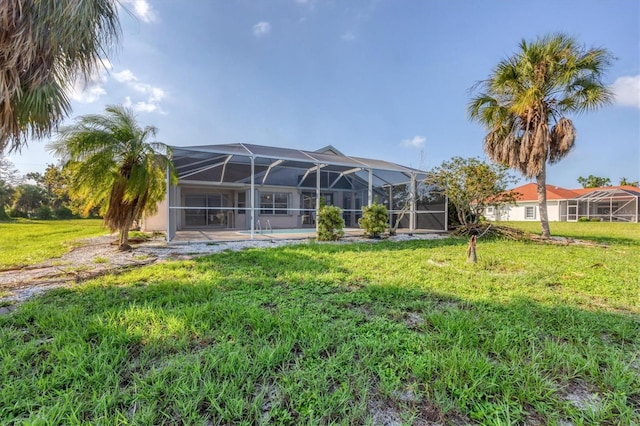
158	221
517	212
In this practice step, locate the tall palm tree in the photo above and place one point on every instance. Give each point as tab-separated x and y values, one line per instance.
45	46
524	101
115	166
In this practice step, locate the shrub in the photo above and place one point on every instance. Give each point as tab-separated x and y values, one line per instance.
44	213
63	213
330	223
374	220
18	213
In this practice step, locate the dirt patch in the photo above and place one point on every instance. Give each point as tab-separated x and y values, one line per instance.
97	256
413	320
92	258
580	395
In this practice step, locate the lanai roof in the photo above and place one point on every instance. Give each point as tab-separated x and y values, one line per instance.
192	161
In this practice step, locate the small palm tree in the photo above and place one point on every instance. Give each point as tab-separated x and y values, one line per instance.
45	45
114	166
524	101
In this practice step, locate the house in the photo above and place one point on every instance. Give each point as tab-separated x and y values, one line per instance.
250	188
608	204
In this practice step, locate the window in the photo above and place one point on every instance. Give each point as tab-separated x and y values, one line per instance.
242	201
274	202
489	210
529	212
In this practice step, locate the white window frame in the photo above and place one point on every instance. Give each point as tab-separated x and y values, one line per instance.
529	212
274	209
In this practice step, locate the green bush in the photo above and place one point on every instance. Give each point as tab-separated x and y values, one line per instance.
587	219
63	213
18	213
44	213
330	223
374	220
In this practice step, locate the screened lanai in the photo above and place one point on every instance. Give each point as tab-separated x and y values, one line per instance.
255	189
606	205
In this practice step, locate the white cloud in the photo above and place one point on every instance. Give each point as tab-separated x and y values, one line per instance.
152	94
141	106
261	29
90	90
348	36
141	9
86	93
626	90
124	76
414	142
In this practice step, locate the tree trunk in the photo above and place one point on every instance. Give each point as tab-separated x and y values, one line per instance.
542	201
124	236
472	256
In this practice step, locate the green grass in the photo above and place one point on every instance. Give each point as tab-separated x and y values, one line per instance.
338	334
26	242
602	232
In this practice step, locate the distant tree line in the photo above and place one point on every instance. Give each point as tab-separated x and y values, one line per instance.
592	181
38	195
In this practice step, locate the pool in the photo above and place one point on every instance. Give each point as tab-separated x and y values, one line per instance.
305	231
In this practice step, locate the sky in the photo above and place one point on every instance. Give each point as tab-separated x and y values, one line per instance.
387	79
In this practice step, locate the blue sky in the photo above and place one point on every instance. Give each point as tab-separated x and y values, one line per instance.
375	78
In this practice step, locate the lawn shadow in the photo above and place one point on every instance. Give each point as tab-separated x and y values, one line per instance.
241	336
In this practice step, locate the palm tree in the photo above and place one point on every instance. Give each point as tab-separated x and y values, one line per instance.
114	166
45	46
524	101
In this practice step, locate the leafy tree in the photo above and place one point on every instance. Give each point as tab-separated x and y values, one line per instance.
8	173
6	195
28	198
9	178
471	186
594	181
45	46
625	182
114	165
524	102
55	181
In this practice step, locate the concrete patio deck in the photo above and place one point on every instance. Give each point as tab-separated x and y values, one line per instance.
203	235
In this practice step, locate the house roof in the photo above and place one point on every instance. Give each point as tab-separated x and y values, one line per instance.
529	191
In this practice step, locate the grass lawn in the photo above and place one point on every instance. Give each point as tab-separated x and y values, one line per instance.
383	333
26	242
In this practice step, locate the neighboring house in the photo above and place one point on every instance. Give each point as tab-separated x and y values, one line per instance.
608	204
249	187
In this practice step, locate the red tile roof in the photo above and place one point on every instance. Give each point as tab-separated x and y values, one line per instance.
529	192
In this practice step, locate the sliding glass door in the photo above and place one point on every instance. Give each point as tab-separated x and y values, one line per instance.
200	210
